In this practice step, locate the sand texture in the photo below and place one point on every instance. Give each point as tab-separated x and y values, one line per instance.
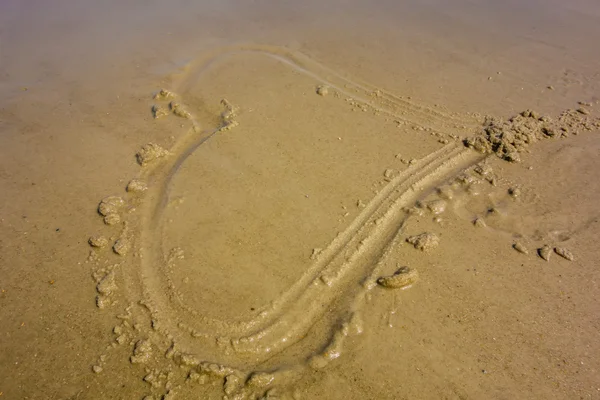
266	201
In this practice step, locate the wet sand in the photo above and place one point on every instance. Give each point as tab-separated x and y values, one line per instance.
303	153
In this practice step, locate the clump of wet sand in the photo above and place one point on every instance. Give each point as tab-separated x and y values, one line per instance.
402	278
425	241
149	153
507	139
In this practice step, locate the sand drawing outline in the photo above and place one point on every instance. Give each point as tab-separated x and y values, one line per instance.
348	261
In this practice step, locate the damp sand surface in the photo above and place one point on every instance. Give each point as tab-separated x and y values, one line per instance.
266	171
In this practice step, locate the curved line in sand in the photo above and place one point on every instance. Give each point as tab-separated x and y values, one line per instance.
348	259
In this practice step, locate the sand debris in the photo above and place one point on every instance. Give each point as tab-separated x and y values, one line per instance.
508	139
98	241
136	186
564	253
323	90
107	285
232	383
479	222
437	206
425	241
583	111
514	192
402	278
150	152
518	246
228	116
121	246
164	94
159	111
179	110
260	379
445	192
483	170
110	204
112	219
141	352
545	251
315	253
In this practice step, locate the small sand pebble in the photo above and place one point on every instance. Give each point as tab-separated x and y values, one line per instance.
231	384
102	301
518	246
107	285
141	352
564	253
583	111
315	253
164	94
112	219
149	153
436	206
98	241
179	110
260	379
545	252
121	246
479	223
110	204
402	278
170	395
136	186
425	241
97	369
514	192
159	111
322	90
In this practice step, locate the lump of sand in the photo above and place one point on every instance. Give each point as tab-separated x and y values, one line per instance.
164	94
112	219
121	246
107	285
149	153
518	246
564	253
402	278
425	241
544	252
110	205
136	186
436	206
141	352
507	139
159	111
179	110
98	241
228	116
322	90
